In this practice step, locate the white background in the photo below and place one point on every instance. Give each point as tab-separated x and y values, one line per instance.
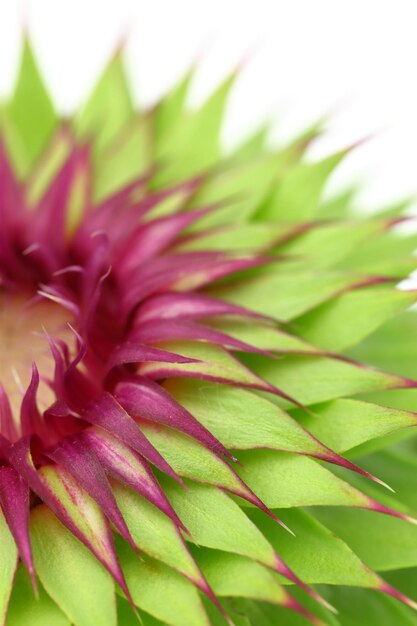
355	58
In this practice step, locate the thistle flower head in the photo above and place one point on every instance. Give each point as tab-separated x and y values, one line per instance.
168	317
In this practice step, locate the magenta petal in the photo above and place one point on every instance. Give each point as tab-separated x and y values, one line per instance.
8	427
130	468
11	213
119	214
108	413
144	398
191	305
185	272
77	388
29	414
136	352
84	465
21	459
50	218
166	330
152	237
14	501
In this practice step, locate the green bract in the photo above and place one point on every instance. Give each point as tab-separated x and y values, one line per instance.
341	350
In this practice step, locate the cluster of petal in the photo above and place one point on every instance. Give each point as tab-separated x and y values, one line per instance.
153	274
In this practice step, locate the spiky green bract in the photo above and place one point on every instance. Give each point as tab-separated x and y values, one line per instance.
251	305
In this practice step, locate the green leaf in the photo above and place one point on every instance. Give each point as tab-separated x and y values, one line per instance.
241	419
160	591
297	196
241	187
252	145
125	613
108	108
8	564
339	206
189	458
350	423
326	244
215	521
384	255
185	157
215	363
241	237
246	185
349	318
125	159
70	573
345	424
25	606
405	580
398	465
317	555
46	168
393	346
154	532
170	111
382	542
286	294
286	480
263	614
328	378
32	125
265	337
357	606
236	576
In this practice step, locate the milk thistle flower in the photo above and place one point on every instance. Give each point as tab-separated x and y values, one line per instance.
176	385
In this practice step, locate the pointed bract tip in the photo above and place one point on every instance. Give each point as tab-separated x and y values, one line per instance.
201	53
283	524
283	570
122	40
378	507
292	604
24	25
34	582
248	55
123	585
380	482
333	457
203	585
398	595
364	140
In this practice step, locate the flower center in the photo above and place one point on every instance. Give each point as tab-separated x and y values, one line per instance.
24	328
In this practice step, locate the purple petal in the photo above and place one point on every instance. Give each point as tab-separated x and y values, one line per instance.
144	398
83	464
190	305
162	330
50	220
135	352
152	237
107	413
14	501
30	417
184	272
8	427
100	539
130	468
